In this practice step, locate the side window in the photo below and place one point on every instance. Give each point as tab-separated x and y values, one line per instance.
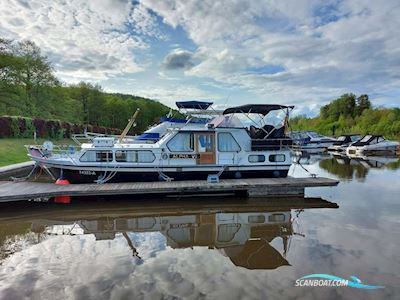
88	156
181	142
256	158
227	143
126	156
97	156
104	156
277	158
145	156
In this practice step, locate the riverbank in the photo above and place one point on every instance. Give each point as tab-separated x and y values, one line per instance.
12	150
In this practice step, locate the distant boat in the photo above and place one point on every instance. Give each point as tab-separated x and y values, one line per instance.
311	141
372	145
343	142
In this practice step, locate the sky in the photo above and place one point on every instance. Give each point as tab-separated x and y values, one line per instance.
233	52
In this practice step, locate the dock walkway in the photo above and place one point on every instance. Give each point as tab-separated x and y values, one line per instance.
255	187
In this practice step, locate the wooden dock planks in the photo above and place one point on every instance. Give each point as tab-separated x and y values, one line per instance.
13	191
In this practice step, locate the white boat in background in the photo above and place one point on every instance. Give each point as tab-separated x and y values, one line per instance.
343	142
310	141
372	145
221	147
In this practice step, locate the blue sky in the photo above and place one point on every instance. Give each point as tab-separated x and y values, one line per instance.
303	52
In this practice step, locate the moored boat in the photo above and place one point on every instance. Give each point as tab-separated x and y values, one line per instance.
343	142
222	147
372	145
310	141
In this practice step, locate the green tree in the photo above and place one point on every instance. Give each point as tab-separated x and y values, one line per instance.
363	103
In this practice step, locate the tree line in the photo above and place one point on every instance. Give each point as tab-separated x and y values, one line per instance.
29	88
350	114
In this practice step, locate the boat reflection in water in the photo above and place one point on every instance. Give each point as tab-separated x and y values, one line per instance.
345	167
241	230
357	167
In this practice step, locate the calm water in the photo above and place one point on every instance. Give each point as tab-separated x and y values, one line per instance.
212	248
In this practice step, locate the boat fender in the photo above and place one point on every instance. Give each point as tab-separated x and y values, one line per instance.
276	174
71	149
62	199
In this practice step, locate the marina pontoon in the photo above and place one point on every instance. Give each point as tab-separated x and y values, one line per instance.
223	147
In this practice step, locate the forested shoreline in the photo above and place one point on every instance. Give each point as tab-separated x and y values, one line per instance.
350	114
29	88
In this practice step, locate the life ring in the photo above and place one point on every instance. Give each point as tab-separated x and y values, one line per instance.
164	156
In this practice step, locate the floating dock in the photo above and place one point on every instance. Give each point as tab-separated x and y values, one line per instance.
16	170
252	187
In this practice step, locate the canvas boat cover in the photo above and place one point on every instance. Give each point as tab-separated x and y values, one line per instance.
194	104
262	109
226	121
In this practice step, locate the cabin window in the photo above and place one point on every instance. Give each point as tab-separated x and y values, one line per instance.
97	156
277	158
126	156
256	158
183	141
145	156
227	143
256	219
276	218
104	156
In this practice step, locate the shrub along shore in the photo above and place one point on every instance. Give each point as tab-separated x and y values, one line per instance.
22	127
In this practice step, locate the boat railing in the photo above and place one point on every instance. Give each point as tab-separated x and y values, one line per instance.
88	137
55	150
271	144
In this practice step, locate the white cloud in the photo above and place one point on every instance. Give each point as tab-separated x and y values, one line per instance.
323	48
84	39
326	48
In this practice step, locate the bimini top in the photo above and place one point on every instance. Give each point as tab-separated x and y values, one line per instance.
263	109
194	104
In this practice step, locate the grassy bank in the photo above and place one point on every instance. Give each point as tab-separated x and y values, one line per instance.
12	151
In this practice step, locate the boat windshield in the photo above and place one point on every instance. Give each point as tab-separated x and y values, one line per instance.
366	138
341	138
314	134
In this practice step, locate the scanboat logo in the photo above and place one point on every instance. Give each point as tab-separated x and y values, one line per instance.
331	280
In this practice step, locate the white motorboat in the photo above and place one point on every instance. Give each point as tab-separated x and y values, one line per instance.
343	142
222	147
311	141
372	145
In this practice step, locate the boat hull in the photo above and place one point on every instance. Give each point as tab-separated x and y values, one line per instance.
368	150
90	176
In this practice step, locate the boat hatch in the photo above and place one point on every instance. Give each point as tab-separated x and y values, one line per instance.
103	142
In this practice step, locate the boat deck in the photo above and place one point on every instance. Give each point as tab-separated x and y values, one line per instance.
254	187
